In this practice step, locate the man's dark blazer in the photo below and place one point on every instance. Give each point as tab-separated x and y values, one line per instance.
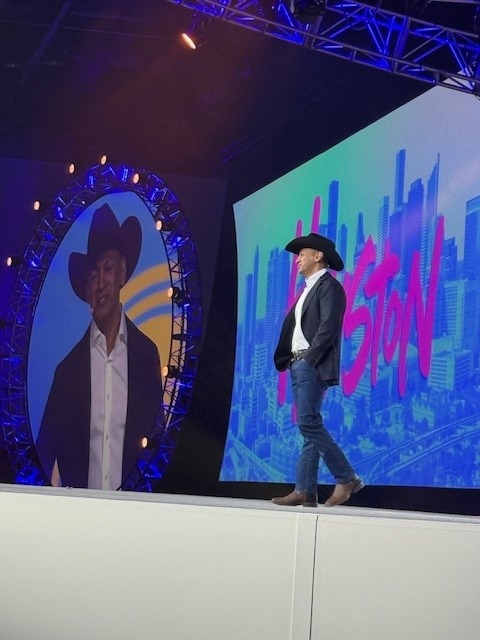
65	430
322	317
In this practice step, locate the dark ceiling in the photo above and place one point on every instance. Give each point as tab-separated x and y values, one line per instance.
79	77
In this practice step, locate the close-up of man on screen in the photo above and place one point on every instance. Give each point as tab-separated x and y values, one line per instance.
107	392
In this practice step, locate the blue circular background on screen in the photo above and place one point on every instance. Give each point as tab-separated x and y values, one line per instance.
61	318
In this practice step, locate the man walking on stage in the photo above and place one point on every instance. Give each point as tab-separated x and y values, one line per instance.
309	346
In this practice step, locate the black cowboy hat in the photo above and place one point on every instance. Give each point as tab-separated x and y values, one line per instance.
105	233
318	243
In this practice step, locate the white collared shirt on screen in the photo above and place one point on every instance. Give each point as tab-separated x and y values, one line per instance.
108	414
299	342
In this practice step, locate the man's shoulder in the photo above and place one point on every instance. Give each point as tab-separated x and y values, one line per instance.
138	337
82	346
330	281
329	288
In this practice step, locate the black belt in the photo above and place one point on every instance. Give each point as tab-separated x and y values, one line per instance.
298	355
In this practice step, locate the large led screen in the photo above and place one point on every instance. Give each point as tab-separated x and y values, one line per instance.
401	199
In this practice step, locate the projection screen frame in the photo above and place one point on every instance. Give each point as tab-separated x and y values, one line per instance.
85	188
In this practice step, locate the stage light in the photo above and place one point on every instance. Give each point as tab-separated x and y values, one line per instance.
179	296
13	261
71	168
308	10
142	178
103	159
148	442
163	224
193	38
40	207
170	371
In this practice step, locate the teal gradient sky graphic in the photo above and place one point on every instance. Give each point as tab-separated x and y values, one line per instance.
438	122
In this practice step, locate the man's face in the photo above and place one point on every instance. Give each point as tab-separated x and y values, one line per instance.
104	283
308	261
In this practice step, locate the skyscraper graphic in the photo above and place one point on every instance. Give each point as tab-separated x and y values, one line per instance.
396	220
395	235
277	296
448	273
471	256
359	238
471	262
251	310
360	235
343	241
449	257
255	285
323	229
359	247
249	303
382	226
412	226
333	191
399	179
471	317
454	319
430	220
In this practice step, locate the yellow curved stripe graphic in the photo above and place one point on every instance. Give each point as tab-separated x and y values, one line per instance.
142	290
144	305
145	279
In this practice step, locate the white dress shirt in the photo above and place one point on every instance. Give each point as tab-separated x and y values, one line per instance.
108	414
299	342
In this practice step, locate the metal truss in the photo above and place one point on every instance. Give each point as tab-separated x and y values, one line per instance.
186	331
365	34
66	207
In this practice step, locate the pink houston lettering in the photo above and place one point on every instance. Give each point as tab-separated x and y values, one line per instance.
390	326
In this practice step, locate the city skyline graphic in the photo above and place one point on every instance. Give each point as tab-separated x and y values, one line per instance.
407	411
